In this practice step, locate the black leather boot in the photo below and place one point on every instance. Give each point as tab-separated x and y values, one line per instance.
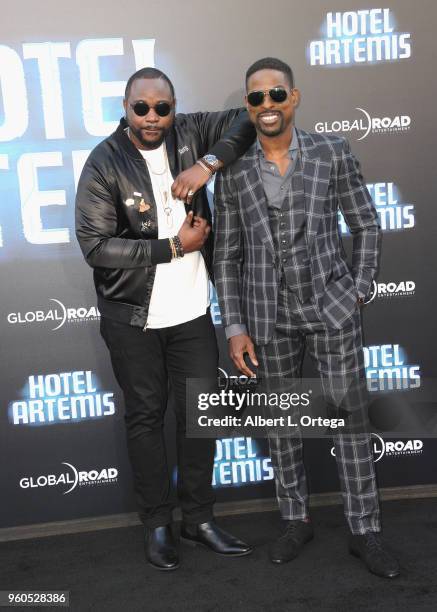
160	547
216	539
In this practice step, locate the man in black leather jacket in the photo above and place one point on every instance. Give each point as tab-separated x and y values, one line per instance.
150	272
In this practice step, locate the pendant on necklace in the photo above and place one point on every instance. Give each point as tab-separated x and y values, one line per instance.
169	216
168	211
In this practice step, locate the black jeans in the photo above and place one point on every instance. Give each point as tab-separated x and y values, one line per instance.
146	364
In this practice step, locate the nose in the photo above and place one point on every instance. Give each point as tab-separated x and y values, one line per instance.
267	103
152	116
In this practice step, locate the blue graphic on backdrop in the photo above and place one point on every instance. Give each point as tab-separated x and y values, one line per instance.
387	368
366	36
61	398
238	462
58	100
214	306
392	212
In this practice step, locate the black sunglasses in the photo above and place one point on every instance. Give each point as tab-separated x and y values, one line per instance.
277	94
142	108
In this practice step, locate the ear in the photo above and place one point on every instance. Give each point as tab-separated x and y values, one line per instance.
246	103
295	96
125	105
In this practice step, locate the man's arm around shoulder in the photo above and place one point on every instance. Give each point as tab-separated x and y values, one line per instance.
226	135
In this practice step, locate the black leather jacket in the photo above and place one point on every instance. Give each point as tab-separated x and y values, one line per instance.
120	242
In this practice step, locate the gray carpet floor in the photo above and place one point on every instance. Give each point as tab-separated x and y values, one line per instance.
105	570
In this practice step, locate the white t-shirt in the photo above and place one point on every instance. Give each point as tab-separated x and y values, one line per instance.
181	287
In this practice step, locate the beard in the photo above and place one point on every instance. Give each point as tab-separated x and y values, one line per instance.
149	143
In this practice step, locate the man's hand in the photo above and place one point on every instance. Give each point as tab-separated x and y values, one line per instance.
193	233
238	346
188	182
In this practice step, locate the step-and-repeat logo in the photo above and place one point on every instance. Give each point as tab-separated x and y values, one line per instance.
391	289
362	123
55	315
391	448
394	214
366	36
388	368
63	397
70	478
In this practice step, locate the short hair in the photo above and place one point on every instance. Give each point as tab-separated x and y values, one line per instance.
271	63
148	73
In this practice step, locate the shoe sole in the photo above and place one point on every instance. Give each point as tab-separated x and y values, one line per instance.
194	543
164	569
356	554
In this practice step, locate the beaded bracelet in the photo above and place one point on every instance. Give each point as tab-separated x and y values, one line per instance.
172	248
178	246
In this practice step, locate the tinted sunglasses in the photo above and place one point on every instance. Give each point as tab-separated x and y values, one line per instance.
142	108
277	94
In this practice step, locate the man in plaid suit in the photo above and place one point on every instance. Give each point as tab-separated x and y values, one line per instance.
284	286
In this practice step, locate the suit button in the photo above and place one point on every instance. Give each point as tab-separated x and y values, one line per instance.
284	260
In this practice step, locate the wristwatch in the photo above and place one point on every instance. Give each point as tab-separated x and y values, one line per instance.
211	161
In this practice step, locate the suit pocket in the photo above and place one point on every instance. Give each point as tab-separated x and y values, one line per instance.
340	301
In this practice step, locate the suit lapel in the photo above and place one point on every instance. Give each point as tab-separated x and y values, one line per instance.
256	207
316	175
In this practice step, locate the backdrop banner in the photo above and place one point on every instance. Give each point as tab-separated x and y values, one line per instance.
366	72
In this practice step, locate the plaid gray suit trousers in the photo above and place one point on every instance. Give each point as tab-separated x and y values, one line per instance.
338	356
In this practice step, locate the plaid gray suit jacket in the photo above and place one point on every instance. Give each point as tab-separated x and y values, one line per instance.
245	263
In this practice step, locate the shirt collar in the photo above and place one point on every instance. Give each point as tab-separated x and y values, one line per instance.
294	145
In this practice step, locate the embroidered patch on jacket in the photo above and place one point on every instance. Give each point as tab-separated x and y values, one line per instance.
144	206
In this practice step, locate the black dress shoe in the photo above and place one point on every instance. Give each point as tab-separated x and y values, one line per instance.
160	548
216	539
290	543
370	550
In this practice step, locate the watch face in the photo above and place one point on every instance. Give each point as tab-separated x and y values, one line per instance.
211	159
